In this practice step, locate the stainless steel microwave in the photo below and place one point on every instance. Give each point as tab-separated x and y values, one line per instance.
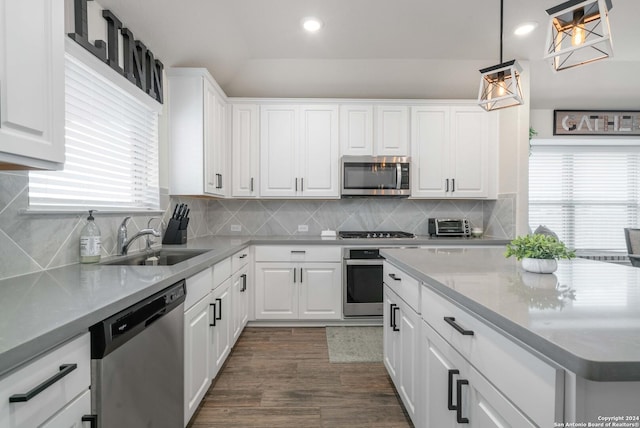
375	175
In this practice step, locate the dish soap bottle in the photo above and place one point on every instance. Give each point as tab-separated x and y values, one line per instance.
90	245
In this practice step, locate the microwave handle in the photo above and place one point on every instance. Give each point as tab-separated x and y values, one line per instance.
398	176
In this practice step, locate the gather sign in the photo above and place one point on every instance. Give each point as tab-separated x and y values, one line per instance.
596	122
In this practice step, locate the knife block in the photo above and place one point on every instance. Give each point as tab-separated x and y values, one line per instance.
174	235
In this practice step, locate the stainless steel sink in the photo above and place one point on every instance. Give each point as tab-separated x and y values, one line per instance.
166	257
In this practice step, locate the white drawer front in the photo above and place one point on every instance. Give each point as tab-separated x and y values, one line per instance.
221	271
45	404
297	253
198	286
404	285
529	382
239	259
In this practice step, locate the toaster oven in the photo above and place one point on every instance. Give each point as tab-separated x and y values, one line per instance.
449	227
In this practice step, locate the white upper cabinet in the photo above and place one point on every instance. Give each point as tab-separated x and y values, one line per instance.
245	151
381	130
299	151
356	129
454	151
31	84
392	131
198	138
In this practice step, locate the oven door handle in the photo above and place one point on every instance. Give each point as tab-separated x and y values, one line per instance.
364	262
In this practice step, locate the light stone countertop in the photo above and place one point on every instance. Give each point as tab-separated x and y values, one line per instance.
585	316
39	311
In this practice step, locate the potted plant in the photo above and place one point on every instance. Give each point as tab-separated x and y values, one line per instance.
538	252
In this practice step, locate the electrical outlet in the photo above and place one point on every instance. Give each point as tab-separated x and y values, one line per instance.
236	228
303	228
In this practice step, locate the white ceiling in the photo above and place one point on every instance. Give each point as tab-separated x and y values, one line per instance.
379	48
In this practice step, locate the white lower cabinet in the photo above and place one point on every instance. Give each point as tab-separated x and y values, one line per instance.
298	291
51	391
220	326
240	299
196	361
401	337
456	394
298	283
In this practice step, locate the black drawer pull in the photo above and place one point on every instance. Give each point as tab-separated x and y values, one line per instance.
93	419
65	369
452	322
394	277
395	326
450	404
214	315
459	417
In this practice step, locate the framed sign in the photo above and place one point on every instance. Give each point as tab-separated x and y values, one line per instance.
596	122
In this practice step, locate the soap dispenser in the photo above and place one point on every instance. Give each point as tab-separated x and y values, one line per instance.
90	245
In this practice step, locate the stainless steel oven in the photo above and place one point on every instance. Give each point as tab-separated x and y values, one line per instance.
362	282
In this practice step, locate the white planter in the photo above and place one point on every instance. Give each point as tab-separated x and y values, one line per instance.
539	265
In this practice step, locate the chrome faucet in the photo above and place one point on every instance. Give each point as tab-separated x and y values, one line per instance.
124	242
150	241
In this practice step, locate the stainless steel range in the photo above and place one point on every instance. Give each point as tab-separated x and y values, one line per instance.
362	273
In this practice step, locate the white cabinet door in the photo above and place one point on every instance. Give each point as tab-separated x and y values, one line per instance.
214	142
196	355
391	338
452	151
245	151
31	84
198	138
470	152
71	416
392	131
356	130
240	301
408	322
430	151
319	174
220	326
279	151
276	290
320	294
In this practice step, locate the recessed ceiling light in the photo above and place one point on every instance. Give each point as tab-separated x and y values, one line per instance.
525	28
311	24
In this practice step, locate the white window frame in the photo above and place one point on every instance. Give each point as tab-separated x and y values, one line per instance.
149	202
628	200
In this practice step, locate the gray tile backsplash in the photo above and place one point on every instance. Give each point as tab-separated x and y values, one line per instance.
34	242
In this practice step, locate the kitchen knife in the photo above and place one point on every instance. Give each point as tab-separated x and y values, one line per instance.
175	211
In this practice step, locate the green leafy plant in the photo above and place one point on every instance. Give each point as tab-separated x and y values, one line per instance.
538	246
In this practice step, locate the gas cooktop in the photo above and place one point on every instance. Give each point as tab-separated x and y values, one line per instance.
375	234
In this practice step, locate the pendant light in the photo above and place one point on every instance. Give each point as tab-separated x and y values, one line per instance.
578	33
500	84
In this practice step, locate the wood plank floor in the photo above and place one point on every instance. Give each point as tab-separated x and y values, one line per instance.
282	377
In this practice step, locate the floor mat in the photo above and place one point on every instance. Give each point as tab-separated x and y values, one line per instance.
354	344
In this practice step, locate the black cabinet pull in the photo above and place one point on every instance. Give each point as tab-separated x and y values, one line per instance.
296	184
395	326
251	185
219	308
65	369
243	256
447	185
302	184
394	277
214	314
244	282
391	306
452	322
300	275
450	404
93	419
294	275
459	417
453	185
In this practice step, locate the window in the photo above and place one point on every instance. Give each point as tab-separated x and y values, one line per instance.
111	149
586	194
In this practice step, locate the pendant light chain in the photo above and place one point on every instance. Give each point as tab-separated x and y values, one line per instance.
501	26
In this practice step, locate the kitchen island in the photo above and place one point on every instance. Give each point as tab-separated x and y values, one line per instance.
583	319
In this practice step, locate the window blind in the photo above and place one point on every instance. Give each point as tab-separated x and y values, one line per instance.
111	149
585	194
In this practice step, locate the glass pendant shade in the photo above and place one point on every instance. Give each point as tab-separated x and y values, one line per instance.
578	33
500	86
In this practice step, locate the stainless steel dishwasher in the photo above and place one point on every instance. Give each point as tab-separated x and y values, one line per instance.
137	363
